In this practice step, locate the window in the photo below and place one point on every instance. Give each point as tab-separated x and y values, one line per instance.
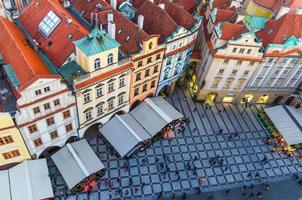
33	128
68	128
228	83
152	84
110	59
97	64
246	73
2	141
149	60
155	70
110	105
239	62
226	61
120	100
241	50
166	74
249	51
38	142
111	87
140	63
47	89
252	63
86	97
88	115
66	114
36	110
145	88
234	72
138	77
221	71
53	135
240	83
99	92
15	153
169	61
147	73
100	110
7	155
136	91
56	102
122	82
216	82
38	92
8	139
179	57
157	56
277	72
49	23
50	121
46	106
234	50
270	60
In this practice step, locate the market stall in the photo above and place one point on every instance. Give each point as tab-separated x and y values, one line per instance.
79	166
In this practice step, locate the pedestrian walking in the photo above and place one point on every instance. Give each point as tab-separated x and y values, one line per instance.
184	196
173	195
195	109
264	160
135	190
160	195
260	195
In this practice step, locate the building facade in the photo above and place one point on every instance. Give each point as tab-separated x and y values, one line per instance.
46	112
12	147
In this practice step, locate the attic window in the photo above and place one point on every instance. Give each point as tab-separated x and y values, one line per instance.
127	38
70	36
49	23
119	31
270	31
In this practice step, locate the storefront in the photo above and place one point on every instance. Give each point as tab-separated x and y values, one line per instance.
210	98
247	98
228	99
263	99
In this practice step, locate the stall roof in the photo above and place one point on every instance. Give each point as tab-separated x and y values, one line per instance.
76	161
4	185
123	132
288	121
27	181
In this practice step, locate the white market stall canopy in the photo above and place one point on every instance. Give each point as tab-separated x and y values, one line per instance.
125	132
77	161
288	121
27	181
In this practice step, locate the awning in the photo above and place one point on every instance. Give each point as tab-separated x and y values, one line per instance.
77	161
27	181
124	133
154	114
288	121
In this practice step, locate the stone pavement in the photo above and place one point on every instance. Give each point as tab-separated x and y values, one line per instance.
163	167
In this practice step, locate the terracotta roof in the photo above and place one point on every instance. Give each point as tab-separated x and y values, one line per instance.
223	15
275	5
25	62
278	31
189	5
124	28
230	31
220	4
57	46
86	7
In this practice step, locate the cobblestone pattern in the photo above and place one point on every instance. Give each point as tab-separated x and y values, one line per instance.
199	142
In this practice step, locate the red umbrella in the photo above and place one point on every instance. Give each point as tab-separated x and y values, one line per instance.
86	188
93	184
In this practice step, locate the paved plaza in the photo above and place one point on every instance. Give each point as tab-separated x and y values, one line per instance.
163	167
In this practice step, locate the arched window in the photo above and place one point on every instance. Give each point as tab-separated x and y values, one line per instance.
97	63
110	59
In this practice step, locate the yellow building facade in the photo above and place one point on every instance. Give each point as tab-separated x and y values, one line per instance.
257	10
12	147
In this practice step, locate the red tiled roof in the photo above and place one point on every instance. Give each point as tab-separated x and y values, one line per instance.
86	7
220	4
230	31
189	5
61	46
275	5
277	31
124	28
225	15
26	63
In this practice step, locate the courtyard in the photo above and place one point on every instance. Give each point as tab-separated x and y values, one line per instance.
230	132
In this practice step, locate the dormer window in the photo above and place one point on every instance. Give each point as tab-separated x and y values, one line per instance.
97	64
49	23
110	59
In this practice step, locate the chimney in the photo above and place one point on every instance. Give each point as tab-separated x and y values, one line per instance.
162	6
96	25
111	25
151	1
91	19
140	21
113	4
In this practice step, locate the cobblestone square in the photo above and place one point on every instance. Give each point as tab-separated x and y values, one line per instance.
164	168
